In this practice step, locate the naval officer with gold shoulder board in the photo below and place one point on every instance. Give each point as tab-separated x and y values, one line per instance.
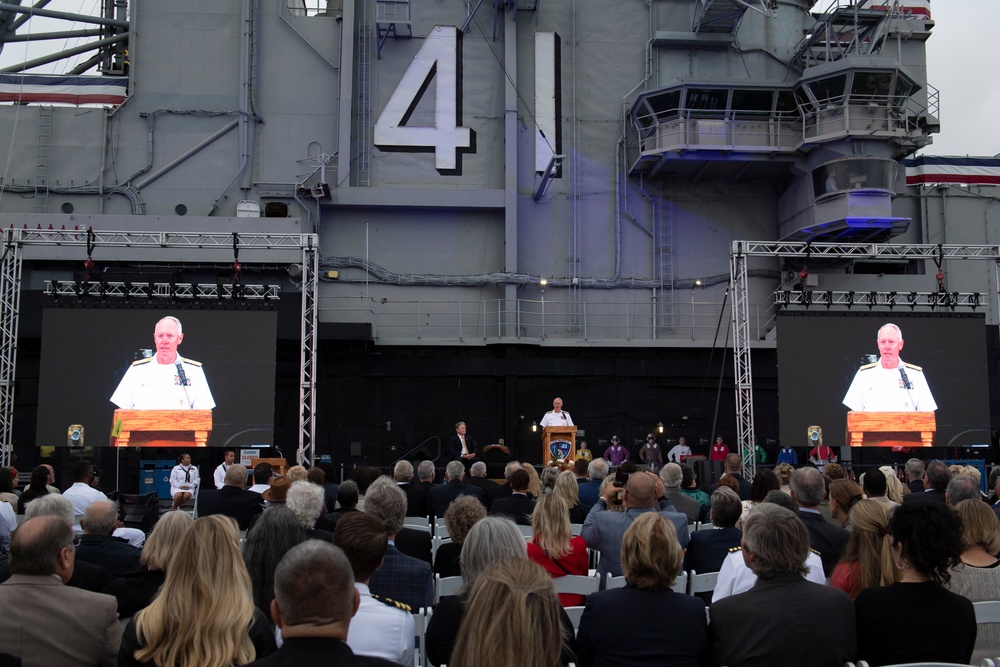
165	381
890	384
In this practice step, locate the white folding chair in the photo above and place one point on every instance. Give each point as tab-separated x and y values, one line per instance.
680	586
436	543
987	612
440	529
420	630
614	582
445	586
577	584
417	522
575	614
575	529
701	583
526	532
705	525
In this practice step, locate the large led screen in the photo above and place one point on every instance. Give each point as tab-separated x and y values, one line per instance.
86	353
820	354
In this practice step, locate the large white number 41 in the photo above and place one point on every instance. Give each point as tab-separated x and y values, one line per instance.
440	59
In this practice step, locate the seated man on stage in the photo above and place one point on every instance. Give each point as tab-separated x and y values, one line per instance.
165	381
890	384
462	447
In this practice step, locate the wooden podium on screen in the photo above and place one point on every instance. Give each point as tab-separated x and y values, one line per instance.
558	434
890	429
161	428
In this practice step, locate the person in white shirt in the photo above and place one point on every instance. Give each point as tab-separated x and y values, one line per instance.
183	481
890	384
229	459
678	451
263	473
557	416
82	494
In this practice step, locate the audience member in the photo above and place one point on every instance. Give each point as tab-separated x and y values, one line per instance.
412	542
580	468
867	560
314	600
477	477
461	516
363	476
99	547
272	536
81	494
826	539
381	628
915	475
135	590
590	490
833	472
733	467
233	499
784	472
502	490
765	480
553	545
402	578
977	576
843	494
297	474
44	622
517	506
603	531
276	494
443	494
962	487
875	486
490	541
263	473
512	618
548	478
689	486
898	623
775	545
625	626
330	486
305	501
7	487
936	478
534	482
895	490
37	487
347	499
568	489
708	548
672	477
204	614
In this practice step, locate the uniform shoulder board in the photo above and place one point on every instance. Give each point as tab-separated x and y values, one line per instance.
735	549
913	366
142	361
815	552
190	361
867	366
393	603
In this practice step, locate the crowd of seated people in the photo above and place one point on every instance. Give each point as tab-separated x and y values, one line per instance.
888	583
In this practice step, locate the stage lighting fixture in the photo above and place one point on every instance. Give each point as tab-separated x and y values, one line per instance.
534	426
659	427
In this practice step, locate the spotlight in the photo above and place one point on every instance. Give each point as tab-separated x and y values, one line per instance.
534	426
659	427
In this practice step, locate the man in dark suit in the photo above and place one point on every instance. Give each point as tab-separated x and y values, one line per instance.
935	484
314	581
461	447
502	490
808	489
401	578
443	494
517	505
775	546
46	622
477	477
708	548
99	547
233	499
915	475
590	490
733	467
416	496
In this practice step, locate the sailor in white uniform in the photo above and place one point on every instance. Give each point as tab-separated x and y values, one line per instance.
890	384
557	416
165	381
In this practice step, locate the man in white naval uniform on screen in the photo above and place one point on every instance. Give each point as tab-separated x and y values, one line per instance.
890	384
165	381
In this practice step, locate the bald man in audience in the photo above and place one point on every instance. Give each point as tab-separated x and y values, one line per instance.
604	530
99	547
233	499
784	619
45	622
962	487
672	476
314	602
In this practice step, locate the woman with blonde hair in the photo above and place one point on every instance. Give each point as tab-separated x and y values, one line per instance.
553	545
135	590
651	559
784	472
894	489
512	618
867	560
534	482
843	494
568	489
977	577
204	615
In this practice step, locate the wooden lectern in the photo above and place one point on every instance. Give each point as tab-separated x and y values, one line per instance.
890	429
279	466
161	428
558	434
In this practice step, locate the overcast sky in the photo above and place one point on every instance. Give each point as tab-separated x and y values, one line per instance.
961	54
